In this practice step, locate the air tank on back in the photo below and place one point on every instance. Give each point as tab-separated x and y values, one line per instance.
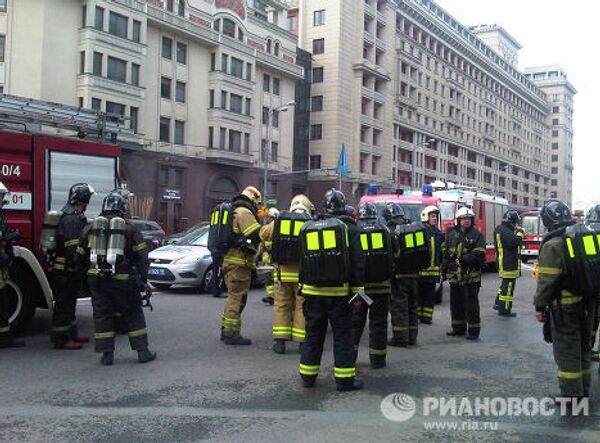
48	238
99	235
116	242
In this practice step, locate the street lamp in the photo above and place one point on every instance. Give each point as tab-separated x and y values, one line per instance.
265	148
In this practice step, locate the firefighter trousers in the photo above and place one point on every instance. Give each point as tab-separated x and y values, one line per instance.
66	286
404	309
288	318
571	331
108	297
595	325
464	308
319	311
504	299
5	335
378	318
426	299
237	279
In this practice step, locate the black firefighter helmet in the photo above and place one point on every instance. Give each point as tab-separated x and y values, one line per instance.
335	202
555	214
116	201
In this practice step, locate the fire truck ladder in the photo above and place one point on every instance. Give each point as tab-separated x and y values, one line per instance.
83	121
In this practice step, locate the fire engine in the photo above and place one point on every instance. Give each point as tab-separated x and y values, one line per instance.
488	211
531	222
38	170
412	202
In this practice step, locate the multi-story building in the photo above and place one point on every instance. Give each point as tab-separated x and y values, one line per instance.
416	96
559	95
204	83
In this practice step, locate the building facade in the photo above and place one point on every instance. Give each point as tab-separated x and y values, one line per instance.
559	95
415	96
200	82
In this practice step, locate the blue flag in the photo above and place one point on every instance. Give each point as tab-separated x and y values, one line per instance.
342	166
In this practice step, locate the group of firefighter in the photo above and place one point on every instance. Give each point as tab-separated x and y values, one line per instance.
334	268
108	256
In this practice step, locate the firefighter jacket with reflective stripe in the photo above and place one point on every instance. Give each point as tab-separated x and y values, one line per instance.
357	264
508	247
68	233
436	240
552	287
287	273
132	265
469	249
245	226
6	251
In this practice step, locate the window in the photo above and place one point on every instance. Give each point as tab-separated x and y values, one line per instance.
555	121
276	49
211	98
248	106
83	12
554	145
213	61
165	88
217	25
229	27
180	92
554	133
133	119
223	99
235	103
82	62
315	162
179	132
97	68
266	83
316	132
318	46
554	182
96	104
237	67
235	141
269	43
116	69
99	19
211	137
240	35
167	48
135	74
275	86
319	17
555	158
274	151
136	32
117	24
555	109
317	75
79	99
181	8
115	108
292	22
275	119
165	129
181	53
316	103
222	138
249	71
224	62
169	5
554	170
265	115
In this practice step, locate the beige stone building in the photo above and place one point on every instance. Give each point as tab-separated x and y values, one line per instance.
559	94
416	96
198	81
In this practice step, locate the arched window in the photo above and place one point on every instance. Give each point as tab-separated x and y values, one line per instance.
229	27
276	50
269	45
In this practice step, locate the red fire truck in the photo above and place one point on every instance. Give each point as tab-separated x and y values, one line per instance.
38	170
535	230
412	202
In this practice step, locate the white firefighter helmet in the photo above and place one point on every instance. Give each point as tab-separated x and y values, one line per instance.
252	194
4	193
301	202
463	212
273	213
429	210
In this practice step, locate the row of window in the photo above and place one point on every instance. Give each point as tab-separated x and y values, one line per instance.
167	50
270	84
234	68
233	143
116	108
166	89
234	104
116	69
165	131
118	24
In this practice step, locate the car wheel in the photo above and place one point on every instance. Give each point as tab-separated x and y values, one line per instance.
206	281
161	286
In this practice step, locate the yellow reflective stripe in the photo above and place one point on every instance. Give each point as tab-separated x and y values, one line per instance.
282	328
329	241
377	351
377	240
364	242
139	247
60	260
121	277
285	227
399	328
298	333
426	309
355	289
458	322
588	245
308	369
474	325
570	375
250	229
409	240
312	241
570	248
327	290
420	238
62	328
59	267
586	371
73	242
567	298
344	372
500	253
479	250
138	332
288	277
549	271
104	335
509	274
80	250
4	329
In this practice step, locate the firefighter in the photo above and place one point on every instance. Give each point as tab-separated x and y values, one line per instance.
429	277
571	311
239	261
464	258
116	276
593	221
288	318
508	238
405	289
338	245
6	255
264	252
380	256
67	281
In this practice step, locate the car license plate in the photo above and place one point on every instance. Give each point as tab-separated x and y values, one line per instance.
156	271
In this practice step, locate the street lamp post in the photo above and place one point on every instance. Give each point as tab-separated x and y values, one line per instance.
265	148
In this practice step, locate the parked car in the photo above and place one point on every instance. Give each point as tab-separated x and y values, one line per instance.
174	238
152	232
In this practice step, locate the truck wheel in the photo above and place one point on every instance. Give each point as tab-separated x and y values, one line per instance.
20	290
161	286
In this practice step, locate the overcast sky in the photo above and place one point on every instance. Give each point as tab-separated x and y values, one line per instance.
563	33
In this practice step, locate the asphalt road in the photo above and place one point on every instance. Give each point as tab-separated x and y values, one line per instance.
200	389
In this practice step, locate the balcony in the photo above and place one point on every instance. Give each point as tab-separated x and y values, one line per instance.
222	156
216	114
457	83
404	144
406	101
381	18
368	38
95	38
219	78
454	121
106	85
373	69
370	10
403	166
380	44
490	103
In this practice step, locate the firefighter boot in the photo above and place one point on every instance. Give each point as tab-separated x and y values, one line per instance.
279	347
237	340
107	358
145	356
351	385
70	346
397	342
377	361
308	381
455	333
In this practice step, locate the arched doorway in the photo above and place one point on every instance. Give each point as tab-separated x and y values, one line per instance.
221	189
